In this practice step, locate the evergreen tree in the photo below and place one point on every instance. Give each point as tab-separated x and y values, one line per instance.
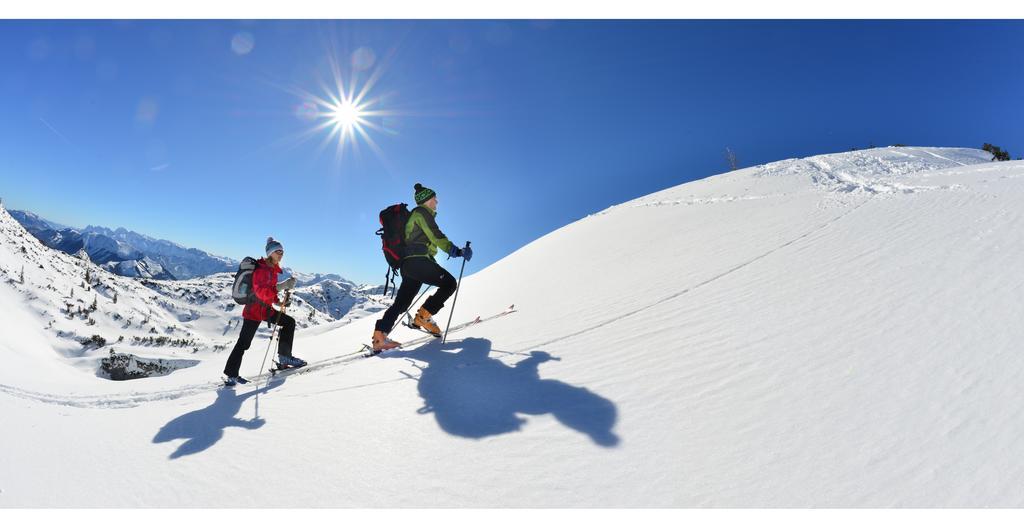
998	154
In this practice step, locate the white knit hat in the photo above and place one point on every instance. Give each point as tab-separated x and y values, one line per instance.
273	246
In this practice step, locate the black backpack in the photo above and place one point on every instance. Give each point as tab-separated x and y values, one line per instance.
392	234
241	290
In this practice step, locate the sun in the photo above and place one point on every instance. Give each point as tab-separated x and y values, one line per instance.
347	115
348	118
348	111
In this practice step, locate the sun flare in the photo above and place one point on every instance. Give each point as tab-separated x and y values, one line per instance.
349	109
347	115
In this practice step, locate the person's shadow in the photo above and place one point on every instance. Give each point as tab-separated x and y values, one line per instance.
473	395
201	429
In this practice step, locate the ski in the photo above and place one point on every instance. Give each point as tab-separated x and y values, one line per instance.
225	383
455	328
278	369
420	329
365	351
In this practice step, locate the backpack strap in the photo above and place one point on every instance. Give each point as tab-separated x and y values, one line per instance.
390	277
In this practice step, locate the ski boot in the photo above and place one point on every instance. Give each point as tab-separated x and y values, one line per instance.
288	362
425	322
381	342
231	381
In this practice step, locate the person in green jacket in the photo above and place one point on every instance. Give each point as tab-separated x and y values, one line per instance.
422	241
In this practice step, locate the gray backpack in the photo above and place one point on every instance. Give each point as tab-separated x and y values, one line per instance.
242	291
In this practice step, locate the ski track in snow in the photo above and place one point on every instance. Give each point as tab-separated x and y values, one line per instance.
943	157
701	201
706	282
121	400
824	175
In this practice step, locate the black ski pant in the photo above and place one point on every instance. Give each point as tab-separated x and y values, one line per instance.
285	329
417	271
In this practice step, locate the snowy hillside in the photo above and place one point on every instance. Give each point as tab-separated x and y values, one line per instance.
126	252
836	331
130	254
179	261
342	299
85	312
143	267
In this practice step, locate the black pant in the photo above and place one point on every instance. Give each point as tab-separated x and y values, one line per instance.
286	330
415	272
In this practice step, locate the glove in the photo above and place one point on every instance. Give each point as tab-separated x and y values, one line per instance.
287	284
454	251
467	252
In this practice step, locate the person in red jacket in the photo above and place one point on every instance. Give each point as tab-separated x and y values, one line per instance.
266	287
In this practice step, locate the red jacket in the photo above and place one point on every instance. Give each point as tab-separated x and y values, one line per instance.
264	285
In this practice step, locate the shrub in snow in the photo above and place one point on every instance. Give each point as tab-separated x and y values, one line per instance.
94	340
998	154
120	366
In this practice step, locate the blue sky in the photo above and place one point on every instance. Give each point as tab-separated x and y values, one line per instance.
186	130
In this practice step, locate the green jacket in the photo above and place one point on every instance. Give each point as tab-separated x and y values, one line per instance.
422	236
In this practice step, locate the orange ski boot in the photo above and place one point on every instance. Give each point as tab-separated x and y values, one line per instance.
381	342
425	321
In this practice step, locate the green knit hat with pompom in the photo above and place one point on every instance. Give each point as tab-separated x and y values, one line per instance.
423	194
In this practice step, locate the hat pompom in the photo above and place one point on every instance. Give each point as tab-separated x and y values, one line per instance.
417	187
269	239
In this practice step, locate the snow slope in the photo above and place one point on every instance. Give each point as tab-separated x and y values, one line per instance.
836	331
126	253
70	299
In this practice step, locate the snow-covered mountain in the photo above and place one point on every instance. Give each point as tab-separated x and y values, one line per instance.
87	310
304	279
837	331
32	222
142	267
179	261
65	239
126	251
130	254
341	299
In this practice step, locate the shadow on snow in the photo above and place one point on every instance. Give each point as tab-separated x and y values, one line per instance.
470	394
201	429
473	395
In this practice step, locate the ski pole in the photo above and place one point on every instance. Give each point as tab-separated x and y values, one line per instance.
413	304
457	285
277	322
